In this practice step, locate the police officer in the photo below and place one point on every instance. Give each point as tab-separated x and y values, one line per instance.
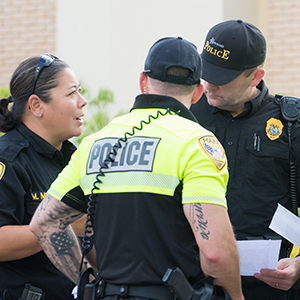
161	200
247	120
43	111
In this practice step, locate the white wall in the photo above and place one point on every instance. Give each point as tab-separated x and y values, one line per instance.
106	41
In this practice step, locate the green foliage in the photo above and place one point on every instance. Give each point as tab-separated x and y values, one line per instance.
96	112
4	93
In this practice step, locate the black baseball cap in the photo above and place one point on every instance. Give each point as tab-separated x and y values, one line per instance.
230	48
173	51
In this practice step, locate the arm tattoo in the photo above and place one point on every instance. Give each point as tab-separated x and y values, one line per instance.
57	237
42	205
63	244
63	250
198	221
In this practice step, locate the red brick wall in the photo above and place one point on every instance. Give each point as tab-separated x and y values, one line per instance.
27	28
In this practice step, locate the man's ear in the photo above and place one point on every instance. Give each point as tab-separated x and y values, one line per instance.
199	90
143	82
259	73
36	105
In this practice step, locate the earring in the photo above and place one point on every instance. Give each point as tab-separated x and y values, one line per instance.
40	115
145	90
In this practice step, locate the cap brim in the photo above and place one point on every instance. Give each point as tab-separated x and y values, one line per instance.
217	75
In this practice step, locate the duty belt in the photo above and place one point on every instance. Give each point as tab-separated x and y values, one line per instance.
158	292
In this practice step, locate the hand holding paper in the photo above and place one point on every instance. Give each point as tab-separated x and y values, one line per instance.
286	224
258	254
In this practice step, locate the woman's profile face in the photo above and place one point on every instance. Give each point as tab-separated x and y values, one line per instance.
62	115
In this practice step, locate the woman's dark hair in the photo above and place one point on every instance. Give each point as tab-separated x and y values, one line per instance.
21	85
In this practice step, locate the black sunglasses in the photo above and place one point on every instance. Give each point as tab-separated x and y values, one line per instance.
44	60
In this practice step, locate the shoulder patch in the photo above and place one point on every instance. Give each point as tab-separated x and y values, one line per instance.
214	150
274	128
2	169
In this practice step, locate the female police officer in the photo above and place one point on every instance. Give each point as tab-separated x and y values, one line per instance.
43	111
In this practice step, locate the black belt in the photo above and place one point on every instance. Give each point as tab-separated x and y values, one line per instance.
158	292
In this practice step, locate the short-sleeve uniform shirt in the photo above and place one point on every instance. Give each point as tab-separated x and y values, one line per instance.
163	162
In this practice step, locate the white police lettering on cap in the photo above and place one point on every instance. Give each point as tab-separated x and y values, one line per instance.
137	154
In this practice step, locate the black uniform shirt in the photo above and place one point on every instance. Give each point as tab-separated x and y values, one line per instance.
257	149
28	165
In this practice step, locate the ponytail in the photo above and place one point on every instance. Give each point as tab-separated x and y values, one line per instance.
7	118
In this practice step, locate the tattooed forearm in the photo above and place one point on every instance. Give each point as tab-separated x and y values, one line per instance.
51	225
43	205
57	208
198	221
63	250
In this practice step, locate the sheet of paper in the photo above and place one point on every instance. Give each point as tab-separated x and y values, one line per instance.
286	224
74	292
258	254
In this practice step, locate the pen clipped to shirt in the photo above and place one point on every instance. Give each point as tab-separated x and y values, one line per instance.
256	142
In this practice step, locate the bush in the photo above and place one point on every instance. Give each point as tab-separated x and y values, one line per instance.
96	112
4	93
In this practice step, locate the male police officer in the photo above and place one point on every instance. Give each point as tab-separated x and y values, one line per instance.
247	121
161	202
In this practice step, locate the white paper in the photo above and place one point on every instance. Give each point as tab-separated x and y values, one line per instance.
258	254
74	292
286	224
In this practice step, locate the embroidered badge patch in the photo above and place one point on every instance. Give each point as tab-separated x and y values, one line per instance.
214	150
274	128
2	169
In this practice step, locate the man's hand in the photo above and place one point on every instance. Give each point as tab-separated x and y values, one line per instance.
287	273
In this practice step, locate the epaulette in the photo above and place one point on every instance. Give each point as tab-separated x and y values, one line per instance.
9	149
